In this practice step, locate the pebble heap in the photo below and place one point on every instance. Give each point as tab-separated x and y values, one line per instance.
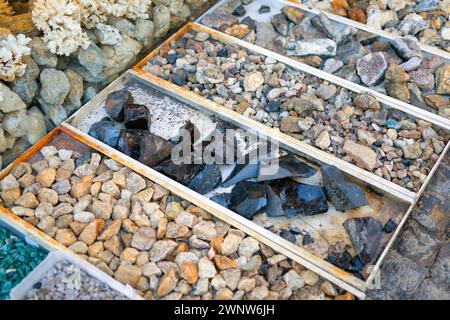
54	86
426	20
17	259
137	232
66	281
354	127
397	68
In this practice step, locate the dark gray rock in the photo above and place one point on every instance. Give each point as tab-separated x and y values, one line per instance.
207	179
365	234
239	11
344	195
287	166
106	131
136	116
129	142
153	150
115	102
286	197
248	198
264	9
223	199
280	24
242	172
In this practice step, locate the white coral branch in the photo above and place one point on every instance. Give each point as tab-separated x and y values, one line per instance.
60	20
12	49
131	9
93	12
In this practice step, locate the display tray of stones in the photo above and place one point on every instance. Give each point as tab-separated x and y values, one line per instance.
18	257
142	235
60	277
353	127
397	68
312	206
427	20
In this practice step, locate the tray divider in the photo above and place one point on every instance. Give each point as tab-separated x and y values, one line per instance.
364	27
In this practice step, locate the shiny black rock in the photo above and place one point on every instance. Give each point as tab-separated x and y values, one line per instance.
153	149
365	234
129	142
106	131
207	179
248	198
242	172
288	166
289	198
136	116
182	173
343	194
190	131
115	102
223	199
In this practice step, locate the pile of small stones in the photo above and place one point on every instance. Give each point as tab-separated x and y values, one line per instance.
426	20
397	68
17	259
354	127
137	232
66	281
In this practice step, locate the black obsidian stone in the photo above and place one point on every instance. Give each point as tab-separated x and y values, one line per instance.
289	198
136	116
129	142
223	199
190	131
239	11
182	173
106	131
249	22
264	9
153	149
288	235
248	198
207	179
288	166
390	226
307	239
344	195
365	234
115	102
242	172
